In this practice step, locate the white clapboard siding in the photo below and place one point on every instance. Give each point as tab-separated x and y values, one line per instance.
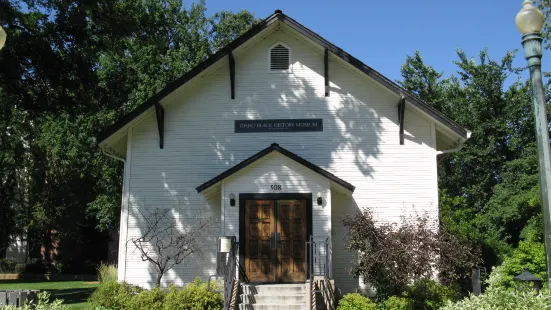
359	144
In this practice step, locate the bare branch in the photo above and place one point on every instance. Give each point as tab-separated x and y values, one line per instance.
164	245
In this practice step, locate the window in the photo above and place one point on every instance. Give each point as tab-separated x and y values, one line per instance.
280	58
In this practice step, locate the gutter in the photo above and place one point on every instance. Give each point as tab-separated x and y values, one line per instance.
459	146
113	156
104	152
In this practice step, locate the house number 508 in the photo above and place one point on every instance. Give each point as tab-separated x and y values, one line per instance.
275	187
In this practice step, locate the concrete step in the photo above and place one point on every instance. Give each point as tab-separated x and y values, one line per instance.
273	289
271	307
273	299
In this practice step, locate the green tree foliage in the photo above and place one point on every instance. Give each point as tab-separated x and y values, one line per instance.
69	69
489	191
529	254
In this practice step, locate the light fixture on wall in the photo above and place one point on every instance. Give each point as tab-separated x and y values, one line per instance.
232	200
320	200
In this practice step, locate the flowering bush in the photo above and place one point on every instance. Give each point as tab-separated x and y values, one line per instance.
502	298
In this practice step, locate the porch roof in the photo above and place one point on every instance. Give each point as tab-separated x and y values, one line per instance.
275	147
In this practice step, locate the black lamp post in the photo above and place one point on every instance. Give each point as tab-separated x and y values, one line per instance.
527	277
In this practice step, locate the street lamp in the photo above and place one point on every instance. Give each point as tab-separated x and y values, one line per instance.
530	22
3	37
527	277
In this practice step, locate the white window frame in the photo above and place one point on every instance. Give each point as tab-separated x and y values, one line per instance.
270	58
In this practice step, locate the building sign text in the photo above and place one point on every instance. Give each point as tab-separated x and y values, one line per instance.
278	125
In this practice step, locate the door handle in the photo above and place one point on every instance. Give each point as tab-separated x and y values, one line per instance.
275	240
278	240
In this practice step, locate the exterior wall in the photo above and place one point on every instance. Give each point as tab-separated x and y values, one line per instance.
359	144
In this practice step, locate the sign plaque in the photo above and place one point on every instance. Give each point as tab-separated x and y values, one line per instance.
279	125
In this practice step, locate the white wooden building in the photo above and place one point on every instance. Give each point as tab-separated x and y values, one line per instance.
298	132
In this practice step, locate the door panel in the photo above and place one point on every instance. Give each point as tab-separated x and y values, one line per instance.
291	224
275	240
259	255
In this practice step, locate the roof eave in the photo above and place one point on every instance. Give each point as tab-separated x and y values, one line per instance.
274	147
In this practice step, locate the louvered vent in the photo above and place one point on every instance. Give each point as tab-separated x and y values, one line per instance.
279	58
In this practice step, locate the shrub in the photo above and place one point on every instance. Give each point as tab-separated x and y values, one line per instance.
78	266
42	304
356	301
429	295
19	268
195	295
153	299
35	266
7	265
391	255
397	303
113	295
529	254
502	298
107	273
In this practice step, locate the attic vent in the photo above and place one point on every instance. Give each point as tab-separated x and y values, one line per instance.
279	58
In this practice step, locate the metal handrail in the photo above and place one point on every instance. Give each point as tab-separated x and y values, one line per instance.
324	266
229	274
227	270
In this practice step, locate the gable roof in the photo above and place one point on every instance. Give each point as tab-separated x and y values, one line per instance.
279	16
275	148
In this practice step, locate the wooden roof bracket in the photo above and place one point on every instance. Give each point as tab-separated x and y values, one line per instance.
401	111
232	74
160	113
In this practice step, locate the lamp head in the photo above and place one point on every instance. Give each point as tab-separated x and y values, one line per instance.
529	19
3	37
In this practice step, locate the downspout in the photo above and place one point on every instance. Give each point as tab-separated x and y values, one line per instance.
123	202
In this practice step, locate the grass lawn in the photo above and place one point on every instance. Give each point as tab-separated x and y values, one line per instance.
74	293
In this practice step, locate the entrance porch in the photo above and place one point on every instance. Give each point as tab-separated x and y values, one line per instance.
277	203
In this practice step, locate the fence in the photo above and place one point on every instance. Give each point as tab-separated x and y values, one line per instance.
17	298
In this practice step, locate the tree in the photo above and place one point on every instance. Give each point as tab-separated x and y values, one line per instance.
390	256
545	7
488	190
70	69
164	245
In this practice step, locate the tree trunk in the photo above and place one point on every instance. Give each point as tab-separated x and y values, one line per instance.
158	281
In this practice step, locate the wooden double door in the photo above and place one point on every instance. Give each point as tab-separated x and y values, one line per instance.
275	240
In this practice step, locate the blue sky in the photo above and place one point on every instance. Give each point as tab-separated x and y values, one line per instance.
382	33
